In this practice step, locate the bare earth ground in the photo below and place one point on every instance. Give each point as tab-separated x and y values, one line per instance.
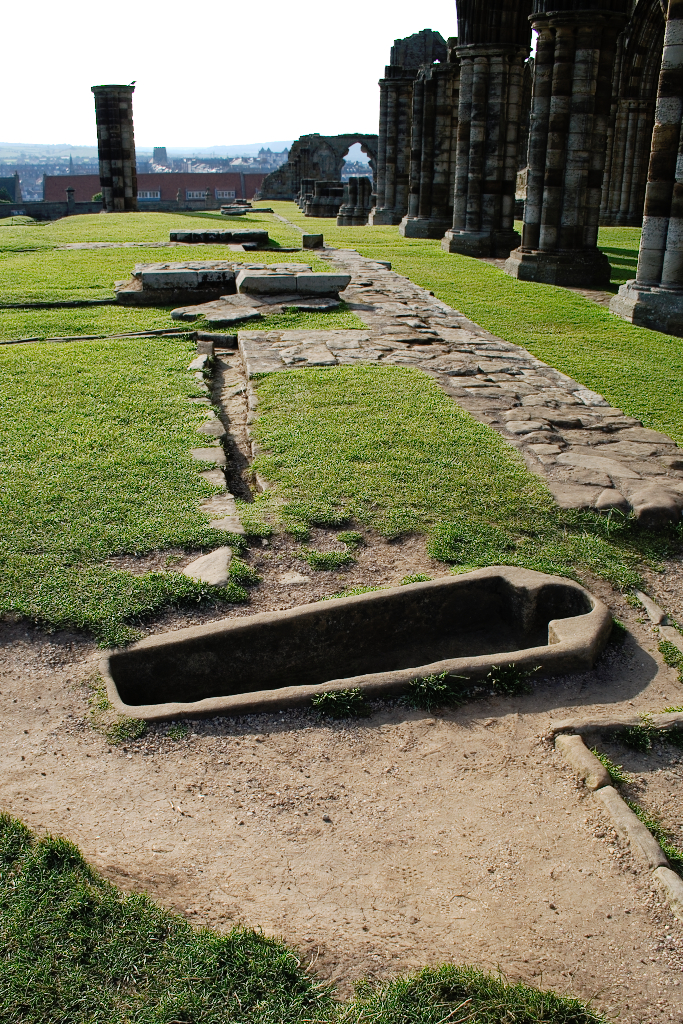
461	837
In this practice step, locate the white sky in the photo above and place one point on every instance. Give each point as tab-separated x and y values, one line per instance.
211	73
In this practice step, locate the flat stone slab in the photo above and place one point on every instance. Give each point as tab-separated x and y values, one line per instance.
221	236
215	455
270	351
211	568
276	280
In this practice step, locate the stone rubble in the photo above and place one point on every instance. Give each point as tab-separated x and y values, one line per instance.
592	455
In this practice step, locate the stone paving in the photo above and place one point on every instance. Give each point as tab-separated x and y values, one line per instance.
591	454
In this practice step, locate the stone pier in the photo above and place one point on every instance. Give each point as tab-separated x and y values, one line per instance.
116	147
492	47
392	181
356	204
326	199
655	298
567	144
433	149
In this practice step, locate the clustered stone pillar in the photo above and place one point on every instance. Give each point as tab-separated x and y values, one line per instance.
356	204
393	155
655	298
116	147
486	167
433	151
567	145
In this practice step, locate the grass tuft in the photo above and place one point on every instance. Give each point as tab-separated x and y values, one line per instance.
415	577
350	703
508	680
242	574
326	560
126	729
351	592
431	692
178	731
352	538
637	737
459	994
615	771
618	633
652	822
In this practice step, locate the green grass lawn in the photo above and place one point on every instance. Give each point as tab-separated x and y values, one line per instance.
94	456
75	950
637	370
387	448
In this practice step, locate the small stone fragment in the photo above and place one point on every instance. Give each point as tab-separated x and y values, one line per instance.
211	568
610	498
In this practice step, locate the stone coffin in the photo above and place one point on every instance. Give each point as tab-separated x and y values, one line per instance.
377	641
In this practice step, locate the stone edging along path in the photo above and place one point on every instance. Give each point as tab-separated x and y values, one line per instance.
568	738
591	454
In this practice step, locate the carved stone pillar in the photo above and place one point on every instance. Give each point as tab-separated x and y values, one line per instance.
393	156
433	150
493	44
655	298
116	146
357	202
567	145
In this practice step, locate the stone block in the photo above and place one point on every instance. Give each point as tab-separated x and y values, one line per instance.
215	455
573	495
162	280
211	568
656	308
655	505
312	241
321	284
260	282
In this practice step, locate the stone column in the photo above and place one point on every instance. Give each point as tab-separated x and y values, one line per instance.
393	156
116	147
567	146
493	45
433	151
655	298
356	204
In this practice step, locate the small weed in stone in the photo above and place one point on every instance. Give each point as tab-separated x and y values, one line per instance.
619	632
352	538
351	592
342	703
672	656
126	729
508	680
672	709
431	692
178	731
674	854
416	577
321	560
615	771
638	737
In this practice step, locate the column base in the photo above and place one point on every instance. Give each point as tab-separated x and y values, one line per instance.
424	227
569	268
480	243
653	307
386	216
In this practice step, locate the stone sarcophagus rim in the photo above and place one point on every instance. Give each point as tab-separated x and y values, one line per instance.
378	641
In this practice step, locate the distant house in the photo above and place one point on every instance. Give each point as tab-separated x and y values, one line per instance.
12	187
160	187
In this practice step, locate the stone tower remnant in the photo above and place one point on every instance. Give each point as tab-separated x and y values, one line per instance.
116	147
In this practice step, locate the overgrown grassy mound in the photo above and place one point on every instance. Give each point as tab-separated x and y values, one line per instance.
386	447
75	950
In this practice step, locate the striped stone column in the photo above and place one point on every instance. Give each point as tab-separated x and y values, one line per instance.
433	151
655	298
116	147
393	157
489	113
570	117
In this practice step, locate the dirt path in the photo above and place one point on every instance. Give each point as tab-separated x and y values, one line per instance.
460	837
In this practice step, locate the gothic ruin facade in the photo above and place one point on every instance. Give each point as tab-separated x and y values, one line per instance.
315	158
592	124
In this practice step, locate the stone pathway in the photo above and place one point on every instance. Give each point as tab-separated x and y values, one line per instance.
592	455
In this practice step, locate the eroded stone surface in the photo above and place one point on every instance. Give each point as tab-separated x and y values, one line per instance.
211	568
